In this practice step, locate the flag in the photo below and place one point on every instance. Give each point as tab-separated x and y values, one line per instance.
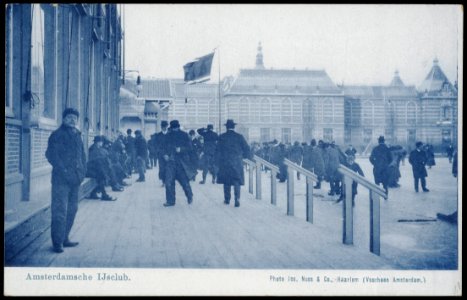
198	70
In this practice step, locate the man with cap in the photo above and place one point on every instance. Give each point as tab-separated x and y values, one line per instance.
179	164
210	143
141	151
417	159
232	148
65	152
380	158
160	147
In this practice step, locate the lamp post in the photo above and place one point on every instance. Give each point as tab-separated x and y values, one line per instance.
139	86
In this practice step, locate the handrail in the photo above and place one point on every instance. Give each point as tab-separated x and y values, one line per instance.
300	169
363	181
266	163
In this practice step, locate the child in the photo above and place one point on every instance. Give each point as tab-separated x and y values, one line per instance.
352	165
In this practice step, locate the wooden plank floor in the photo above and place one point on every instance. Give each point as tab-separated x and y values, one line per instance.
137	231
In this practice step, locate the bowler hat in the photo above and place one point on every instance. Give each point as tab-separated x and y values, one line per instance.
137	132
174	124
418	144
70	110
230	123
164	123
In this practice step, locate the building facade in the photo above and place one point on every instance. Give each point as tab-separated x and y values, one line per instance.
57	56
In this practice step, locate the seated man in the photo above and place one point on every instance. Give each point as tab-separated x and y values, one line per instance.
99	169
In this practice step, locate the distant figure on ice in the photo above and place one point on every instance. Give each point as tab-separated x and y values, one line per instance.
380	158
130	150
65	152
207	157
313	161
430	155
417	159
179	163
231	150
450	152
296	155
352	165
393	170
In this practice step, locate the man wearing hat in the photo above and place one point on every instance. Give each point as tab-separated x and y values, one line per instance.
141	151
130	150
207	157
417	159
232	148
380	158
160	147
65	152
179	164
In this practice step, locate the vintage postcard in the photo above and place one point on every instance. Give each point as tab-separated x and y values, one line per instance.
265	150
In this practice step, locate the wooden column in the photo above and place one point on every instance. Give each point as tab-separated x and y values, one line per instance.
258	181
309	200
290	191
374	223
250	178
348	212
273	188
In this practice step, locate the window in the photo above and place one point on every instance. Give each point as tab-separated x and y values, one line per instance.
367	135
37	56
446	136
9	60
244	110
233	109
347	113
411	113
286	110
347	135
265	135
286	135
328	113
265	111
367	114
446	113
327	134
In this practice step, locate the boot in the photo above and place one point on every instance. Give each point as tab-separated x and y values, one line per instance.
237	202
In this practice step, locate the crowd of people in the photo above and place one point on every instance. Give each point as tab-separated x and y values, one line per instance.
180	155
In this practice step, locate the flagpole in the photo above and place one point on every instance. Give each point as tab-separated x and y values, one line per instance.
219	87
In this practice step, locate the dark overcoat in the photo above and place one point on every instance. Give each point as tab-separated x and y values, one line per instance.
296	154
418	161
210	140
98	164
65	152
380	158
313	160
232	148
179	138
141	147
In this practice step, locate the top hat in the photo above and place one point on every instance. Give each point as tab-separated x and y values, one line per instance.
174	124
418	144
230	123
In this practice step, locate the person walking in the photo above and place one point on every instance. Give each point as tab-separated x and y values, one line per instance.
380	158
179	163
65	152
160	147
141	152
210	143
232	148
417	159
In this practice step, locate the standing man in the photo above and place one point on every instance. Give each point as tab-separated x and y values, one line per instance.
65	152
296	155
380	158
417	159
141	153
210	143
179	166
160	147
130	150
231	150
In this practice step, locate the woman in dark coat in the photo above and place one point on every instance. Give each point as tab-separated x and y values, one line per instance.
232	148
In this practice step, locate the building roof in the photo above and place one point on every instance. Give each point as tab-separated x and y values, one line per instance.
199	90
155	89
283	81
435	81
151	107
379	92
396	80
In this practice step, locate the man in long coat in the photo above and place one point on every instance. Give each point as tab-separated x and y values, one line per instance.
313	161
160	147
380	158
296	155
232	148
417	159
65	152
179	163
210	143
141	153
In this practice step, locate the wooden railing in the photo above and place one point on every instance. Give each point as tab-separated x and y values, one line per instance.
375	192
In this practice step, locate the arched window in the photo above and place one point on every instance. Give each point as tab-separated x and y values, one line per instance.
411	111
244	110
446	113
367	113
286	110
265	110
232	109
328	111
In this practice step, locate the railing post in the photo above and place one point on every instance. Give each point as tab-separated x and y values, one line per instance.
258	180
273	187
309	199
250	178
374	223
290	191
348	212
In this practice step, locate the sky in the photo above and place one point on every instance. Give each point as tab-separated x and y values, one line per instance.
355	44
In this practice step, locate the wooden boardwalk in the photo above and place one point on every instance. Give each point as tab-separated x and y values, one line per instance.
137	231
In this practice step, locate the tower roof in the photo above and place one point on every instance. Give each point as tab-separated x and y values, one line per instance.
396	80
259	57
435	80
